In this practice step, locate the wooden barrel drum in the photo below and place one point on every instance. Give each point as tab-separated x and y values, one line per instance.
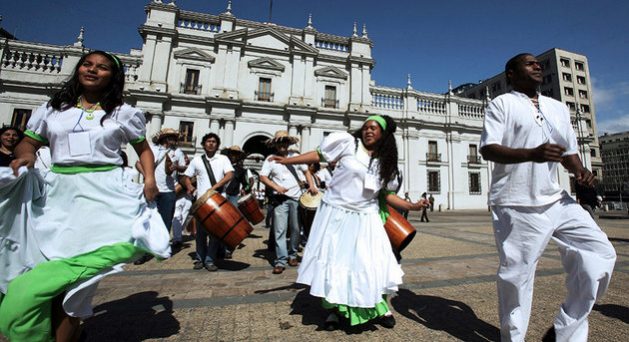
399	230
221	219
248	206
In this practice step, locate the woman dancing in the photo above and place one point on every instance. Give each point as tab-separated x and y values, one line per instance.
348	260
83	216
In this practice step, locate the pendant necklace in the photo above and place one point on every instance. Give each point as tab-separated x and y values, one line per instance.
90	110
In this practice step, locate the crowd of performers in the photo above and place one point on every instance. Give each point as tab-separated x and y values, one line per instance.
77	215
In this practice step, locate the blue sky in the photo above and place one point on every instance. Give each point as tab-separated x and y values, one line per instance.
436	41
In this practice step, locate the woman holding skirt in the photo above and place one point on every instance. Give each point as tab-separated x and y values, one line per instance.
83	219
348	260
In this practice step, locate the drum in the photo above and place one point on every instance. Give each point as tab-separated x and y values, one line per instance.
221	219
248	206
309	201
399	230
308	205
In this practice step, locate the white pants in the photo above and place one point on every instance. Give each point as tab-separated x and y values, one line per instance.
182	208
588	258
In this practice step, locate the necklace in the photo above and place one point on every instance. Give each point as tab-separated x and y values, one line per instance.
90	110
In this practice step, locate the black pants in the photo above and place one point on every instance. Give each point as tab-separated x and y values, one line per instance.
424	215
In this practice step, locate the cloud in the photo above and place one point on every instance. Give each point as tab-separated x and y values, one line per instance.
608	96
614	125
612	106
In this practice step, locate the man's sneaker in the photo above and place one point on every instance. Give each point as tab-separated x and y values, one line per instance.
197	265
211	267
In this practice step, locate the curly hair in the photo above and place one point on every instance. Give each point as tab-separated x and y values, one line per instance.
385	150
67	96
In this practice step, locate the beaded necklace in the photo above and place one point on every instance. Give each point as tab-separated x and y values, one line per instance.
90	110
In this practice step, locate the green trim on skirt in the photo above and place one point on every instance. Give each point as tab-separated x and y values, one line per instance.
25	309
358	315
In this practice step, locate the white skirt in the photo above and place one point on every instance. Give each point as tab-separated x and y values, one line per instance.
348	258
59	216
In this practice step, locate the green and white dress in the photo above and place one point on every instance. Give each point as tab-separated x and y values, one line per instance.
67	228
348	260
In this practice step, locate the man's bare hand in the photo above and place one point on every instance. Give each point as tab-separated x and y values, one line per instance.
547	152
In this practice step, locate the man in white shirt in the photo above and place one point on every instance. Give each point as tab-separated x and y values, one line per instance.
221	173
286	186
527	135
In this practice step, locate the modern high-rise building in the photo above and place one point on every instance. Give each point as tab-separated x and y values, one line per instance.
615	156
566	79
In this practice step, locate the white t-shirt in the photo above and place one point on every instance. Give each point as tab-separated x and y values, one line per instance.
280	174
165	182
348	188
511	120
220	166
77	140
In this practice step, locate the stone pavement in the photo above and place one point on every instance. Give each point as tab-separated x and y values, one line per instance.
448	294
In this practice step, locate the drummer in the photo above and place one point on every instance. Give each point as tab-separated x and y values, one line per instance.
213	171
286	184
348	261
239	184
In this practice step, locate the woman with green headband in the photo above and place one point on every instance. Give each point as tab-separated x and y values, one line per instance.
83	214
348	260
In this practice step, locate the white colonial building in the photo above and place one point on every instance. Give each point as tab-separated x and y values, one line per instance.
244	80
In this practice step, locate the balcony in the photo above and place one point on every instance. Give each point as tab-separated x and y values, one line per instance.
473	159
433	157
191	89
329	103
263	96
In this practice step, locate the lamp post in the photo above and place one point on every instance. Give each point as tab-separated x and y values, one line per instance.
581	134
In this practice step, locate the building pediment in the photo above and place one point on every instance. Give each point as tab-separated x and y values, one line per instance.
194	54
331	71
266	63
266	38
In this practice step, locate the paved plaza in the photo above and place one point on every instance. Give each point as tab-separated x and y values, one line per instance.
448	293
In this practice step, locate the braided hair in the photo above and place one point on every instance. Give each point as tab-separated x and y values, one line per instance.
67	96
385	150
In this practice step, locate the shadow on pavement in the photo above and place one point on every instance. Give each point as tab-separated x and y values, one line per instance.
618	239
615	311
138	317
312	313
453	317
231	265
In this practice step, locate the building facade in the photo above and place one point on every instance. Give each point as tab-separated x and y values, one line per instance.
566	79
615	155
244	80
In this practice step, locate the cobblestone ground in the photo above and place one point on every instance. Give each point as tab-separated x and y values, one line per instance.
448	293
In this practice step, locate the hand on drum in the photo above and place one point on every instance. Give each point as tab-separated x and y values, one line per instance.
313	190
191	190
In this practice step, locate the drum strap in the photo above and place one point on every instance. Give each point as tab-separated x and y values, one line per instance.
294	173
210	173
